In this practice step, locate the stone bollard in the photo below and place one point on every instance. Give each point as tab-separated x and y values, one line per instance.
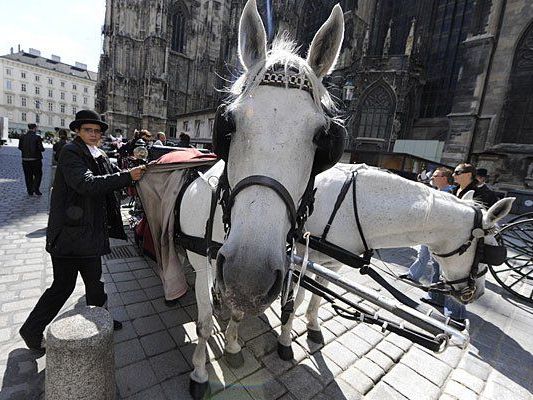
80	362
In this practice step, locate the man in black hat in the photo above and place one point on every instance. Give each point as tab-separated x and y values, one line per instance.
84	214
483	192
31	146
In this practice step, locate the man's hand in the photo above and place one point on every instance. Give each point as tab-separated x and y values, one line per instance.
137	172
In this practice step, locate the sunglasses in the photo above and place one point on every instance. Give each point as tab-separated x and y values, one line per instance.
460	172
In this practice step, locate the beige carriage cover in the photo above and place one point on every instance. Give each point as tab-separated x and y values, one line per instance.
158	190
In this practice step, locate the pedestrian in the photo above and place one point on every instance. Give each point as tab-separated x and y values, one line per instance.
161	139
84	214
425	269
485	194
31	146
185	140
63	140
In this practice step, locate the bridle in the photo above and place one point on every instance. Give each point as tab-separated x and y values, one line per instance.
477	235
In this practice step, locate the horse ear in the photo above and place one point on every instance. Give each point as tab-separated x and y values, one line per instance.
468	195
498	210
326	44
252	36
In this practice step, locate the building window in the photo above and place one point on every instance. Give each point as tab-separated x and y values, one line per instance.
74	98
178	31
73	110
62	95
85	100
197	125
8	84
62	83
37	104
50	120
74	87
37	78
37	119
377	112
23	101
37	90
23	74
23	116
50	81
50	106
50	93
62	107
9	99
186	126
85	90
172	131
22	87
62	123
8	71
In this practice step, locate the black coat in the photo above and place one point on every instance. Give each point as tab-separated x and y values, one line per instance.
84	210
482	194
31	146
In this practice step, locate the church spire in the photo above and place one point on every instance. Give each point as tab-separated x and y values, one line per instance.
386	45
409	44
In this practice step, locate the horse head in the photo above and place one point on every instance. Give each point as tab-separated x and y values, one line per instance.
275	132
464	264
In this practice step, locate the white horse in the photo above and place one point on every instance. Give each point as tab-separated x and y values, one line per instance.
393	211
273	132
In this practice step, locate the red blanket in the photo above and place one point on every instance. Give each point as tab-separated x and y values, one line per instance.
184	155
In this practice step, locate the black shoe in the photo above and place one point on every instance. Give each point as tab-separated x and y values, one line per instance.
117	325
38	193
33	343
30	193
172	303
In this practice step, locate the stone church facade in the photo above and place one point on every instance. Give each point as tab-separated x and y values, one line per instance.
459	72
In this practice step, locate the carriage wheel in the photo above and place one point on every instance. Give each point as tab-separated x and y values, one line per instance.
516	274
527	215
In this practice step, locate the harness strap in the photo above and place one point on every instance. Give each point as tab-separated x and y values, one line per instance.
338	203
368	252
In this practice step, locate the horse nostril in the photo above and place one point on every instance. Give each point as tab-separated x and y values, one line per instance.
276	287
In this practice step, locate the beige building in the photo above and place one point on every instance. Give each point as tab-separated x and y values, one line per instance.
43	90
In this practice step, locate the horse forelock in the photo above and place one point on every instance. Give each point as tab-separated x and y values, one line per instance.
283	53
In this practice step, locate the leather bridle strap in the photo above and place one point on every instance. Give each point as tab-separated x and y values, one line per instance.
338	203
478	225
271	183
367	255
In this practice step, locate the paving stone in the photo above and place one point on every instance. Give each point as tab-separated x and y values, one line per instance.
126	286
134	296
340	389
154	393
139	309
276	365
250	365
459	391
175	317
263	344
369	368
512	382
143	273
380	359
234	392
335	327
168	364
220	376
176	388
475	366
410	384
357	379
389	349
127	332
399	341
149	324
122	276
135	378
149	282
434	370
301	383
339	354
383	391
180	335
157	343
367	334
128	352
154	292
262	385
18	305
323	369
467	379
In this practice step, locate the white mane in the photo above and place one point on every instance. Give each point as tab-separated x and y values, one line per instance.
283	52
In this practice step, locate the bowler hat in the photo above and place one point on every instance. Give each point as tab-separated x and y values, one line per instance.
482	172
87	117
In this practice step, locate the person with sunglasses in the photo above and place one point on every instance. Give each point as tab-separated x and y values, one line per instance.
465	177
84	214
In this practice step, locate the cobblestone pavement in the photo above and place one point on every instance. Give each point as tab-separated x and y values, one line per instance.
153	351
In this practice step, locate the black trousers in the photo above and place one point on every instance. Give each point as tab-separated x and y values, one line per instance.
33	173
55	297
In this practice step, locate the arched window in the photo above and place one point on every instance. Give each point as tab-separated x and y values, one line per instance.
178	31
377	113
517	123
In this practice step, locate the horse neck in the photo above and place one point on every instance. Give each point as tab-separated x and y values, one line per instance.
394	212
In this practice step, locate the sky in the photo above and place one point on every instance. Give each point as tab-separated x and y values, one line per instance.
70	29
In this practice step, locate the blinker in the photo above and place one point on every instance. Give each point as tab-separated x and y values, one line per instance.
494	255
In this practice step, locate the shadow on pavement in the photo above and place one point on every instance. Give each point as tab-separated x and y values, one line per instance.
502	352
37	234
21	379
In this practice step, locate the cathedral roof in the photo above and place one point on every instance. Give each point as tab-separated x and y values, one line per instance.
51	65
